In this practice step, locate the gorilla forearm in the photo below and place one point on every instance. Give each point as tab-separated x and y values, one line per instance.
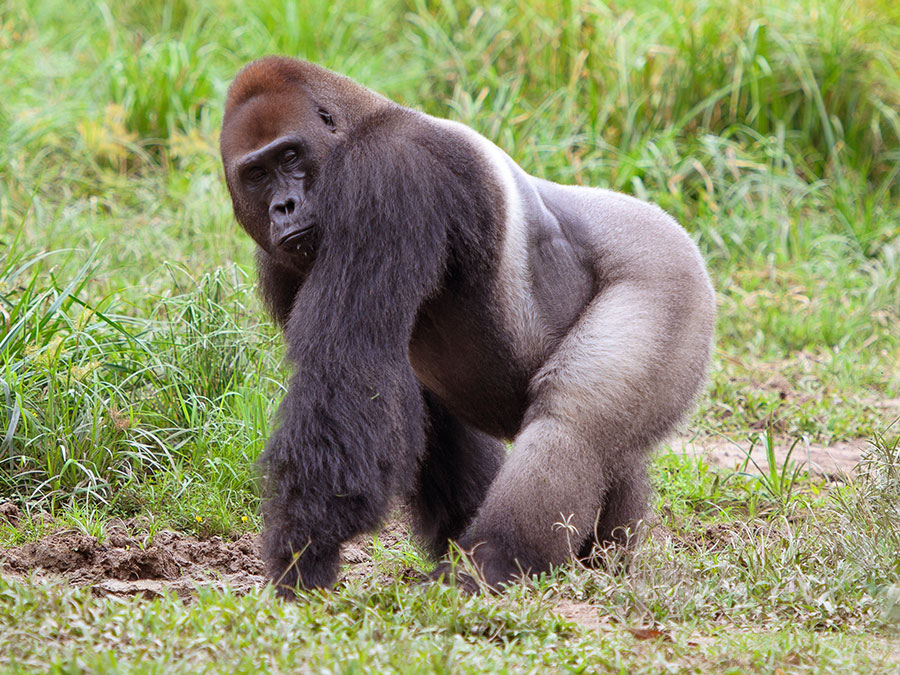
352	426
315	497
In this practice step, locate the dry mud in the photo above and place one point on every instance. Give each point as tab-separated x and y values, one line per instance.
128	563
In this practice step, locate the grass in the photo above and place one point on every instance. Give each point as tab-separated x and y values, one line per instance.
138	376
434	630
805	583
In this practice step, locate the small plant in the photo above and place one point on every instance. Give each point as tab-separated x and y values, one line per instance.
779	483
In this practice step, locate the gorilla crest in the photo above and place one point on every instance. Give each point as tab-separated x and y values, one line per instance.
437	300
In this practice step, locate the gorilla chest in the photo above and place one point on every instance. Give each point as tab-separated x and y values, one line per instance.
459	354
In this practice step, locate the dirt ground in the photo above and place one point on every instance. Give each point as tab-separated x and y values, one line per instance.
126	562
833	462
129	562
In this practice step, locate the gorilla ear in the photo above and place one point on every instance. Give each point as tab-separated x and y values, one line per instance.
327	118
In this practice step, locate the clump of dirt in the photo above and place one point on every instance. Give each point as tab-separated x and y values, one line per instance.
9	512
127	561
117	563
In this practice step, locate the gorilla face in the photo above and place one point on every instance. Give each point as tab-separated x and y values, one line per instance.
275	182
271	171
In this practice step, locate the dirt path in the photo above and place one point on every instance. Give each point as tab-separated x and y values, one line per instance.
834	462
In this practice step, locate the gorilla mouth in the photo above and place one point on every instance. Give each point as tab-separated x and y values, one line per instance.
296	240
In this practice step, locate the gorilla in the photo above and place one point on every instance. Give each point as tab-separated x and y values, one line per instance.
436	301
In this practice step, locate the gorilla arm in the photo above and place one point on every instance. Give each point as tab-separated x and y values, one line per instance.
352	421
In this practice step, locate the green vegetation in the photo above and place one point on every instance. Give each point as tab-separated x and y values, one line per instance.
138	376
730	580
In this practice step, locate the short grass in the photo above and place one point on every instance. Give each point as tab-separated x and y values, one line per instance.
364	629
739	574
138	375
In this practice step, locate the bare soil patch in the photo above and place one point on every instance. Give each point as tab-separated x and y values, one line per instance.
127	562
833	462
582	613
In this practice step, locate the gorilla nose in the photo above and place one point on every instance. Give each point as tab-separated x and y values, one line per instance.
282	211
288	229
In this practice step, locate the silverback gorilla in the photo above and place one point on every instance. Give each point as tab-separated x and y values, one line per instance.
435	300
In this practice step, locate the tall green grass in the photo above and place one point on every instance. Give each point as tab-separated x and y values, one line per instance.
101	402
134	354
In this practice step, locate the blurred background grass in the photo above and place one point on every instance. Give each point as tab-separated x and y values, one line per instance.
137	372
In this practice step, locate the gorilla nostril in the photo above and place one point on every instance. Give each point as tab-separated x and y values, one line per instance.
285	208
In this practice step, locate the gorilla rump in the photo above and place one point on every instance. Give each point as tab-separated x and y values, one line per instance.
436	300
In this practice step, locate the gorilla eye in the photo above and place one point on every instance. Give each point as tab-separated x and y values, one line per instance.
327	118
255	175
290	158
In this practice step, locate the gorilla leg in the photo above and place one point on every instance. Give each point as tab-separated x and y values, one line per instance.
457	469
618	382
